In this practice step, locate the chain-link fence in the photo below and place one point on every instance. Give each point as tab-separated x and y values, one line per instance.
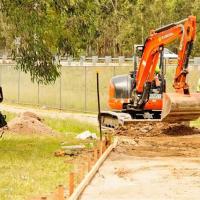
75	90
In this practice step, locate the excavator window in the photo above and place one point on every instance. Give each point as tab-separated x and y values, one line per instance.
139	50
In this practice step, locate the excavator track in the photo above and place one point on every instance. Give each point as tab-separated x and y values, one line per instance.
111	119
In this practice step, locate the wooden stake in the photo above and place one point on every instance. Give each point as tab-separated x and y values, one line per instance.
100	148
95	154
81	174
103	146
61	192
109	139
89	164
71	183
76	194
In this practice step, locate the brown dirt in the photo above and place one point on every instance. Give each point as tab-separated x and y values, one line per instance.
184	146
159	178
159	139
149	129
29	123
152	161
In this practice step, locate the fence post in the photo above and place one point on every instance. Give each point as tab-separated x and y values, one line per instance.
60	88
18	95
85	95
114	70
38	93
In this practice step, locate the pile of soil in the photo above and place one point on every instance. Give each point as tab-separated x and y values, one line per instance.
150	129
29	123
158	139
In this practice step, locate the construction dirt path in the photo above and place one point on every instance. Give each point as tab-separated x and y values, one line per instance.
89	118
164	166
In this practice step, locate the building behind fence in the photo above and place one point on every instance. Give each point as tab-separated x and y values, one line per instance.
75	90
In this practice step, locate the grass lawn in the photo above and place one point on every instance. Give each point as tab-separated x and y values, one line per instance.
195	123
28	166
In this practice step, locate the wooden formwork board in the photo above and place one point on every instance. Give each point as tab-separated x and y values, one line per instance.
78	191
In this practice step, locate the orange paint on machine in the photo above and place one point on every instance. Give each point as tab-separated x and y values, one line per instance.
142	94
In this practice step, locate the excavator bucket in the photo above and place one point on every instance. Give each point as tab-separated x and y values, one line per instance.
180	107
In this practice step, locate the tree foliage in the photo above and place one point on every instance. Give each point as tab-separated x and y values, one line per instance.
45	29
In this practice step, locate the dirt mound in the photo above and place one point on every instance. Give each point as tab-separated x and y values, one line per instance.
158	139
150	129
29	123
180	129
162	146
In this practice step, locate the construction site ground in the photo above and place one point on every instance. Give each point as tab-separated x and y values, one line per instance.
163	165
153	161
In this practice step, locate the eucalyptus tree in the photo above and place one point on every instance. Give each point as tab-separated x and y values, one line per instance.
37	31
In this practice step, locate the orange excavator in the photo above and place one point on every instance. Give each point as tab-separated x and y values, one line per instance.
141	95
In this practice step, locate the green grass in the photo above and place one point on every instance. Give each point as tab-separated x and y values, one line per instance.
70	125
63	126
9	115
28	166
195	123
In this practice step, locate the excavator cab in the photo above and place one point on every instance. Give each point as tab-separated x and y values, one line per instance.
122	88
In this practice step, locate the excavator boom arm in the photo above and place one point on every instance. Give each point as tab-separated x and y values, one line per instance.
185	31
